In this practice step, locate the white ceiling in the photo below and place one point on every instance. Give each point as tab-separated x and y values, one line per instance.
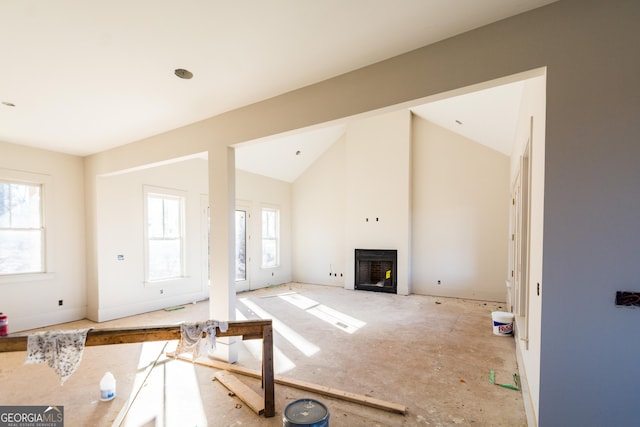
487	116
285	158
86	76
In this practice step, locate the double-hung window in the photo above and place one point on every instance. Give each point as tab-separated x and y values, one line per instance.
22	232
164	233
270	237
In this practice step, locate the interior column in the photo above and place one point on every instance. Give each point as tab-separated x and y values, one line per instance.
222	294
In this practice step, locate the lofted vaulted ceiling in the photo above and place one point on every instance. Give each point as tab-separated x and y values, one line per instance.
81	77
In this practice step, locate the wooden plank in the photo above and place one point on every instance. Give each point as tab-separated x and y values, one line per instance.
322	390
267	371
248	396
344	395
248	329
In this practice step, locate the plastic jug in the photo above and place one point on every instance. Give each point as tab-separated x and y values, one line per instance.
107	387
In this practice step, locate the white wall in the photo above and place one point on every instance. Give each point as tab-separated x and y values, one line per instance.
319	219
34	303
257	192
460	207
378	186
121	223
460	215
533	105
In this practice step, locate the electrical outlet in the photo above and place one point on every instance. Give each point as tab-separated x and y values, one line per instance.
628	299
60	302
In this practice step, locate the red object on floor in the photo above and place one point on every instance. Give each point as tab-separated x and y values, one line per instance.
4	325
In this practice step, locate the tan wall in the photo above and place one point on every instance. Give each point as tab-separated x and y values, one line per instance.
460	215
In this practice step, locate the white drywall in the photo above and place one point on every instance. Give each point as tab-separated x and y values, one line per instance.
460	215
32	302
319	219
121	222
378	186
257	192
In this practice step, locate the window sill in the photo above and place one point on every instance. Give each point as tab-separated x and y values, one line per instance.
27	277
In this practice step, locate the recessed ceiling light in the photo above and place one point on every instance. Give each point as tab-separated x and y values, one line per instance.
183	74
8	104
458	122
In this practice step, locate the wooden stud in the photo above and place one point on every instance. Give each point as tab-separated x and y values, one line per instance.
248	329
268	372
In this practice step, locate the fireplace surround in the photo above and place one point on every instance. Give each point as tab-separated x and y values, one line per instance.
375	270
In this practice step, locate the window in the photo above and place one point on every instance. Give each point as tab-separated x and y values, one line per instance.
165	234
22	230
270	237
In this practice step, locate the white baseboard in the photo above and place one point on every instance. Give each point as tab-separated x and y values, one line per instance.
120	311
41	320
532	420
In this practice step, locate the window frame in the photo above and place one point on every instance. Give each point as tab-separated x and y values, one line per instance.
45	182
165	193
276	238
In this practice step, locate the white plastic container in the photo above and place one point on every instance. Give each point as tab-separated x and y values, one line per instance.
107	387
502	323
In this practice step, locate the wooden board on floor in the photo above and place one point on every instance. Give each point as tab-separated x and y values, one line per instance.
302	385
248	396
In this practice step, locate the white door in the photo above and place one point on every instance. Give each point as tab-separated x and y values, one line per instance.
242	253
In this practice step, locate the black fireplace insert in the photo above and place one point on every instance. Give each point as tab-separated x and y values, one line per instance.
376	270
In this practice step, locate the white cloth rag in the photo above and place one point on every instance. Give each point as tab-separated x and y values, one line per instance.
199	338
61	350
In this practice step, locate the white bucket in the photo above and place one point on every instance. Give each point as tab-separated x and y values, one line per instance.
502	323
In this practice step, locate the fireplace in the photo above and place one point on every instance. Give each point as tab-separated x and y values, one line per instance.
376	270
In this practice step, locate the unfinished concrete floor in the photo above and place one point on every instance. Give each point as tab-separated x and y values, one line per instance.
431	354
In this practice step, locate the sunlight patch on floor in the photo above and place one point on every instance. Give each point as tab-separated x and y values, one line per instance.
340	320
281	363
297	340
165	394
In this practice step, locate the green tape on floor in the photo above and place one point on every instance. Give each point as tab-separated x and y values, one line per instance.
516	387
174	308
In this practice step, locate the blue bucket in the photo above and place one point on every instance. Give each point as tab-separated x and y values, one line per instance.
305	413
